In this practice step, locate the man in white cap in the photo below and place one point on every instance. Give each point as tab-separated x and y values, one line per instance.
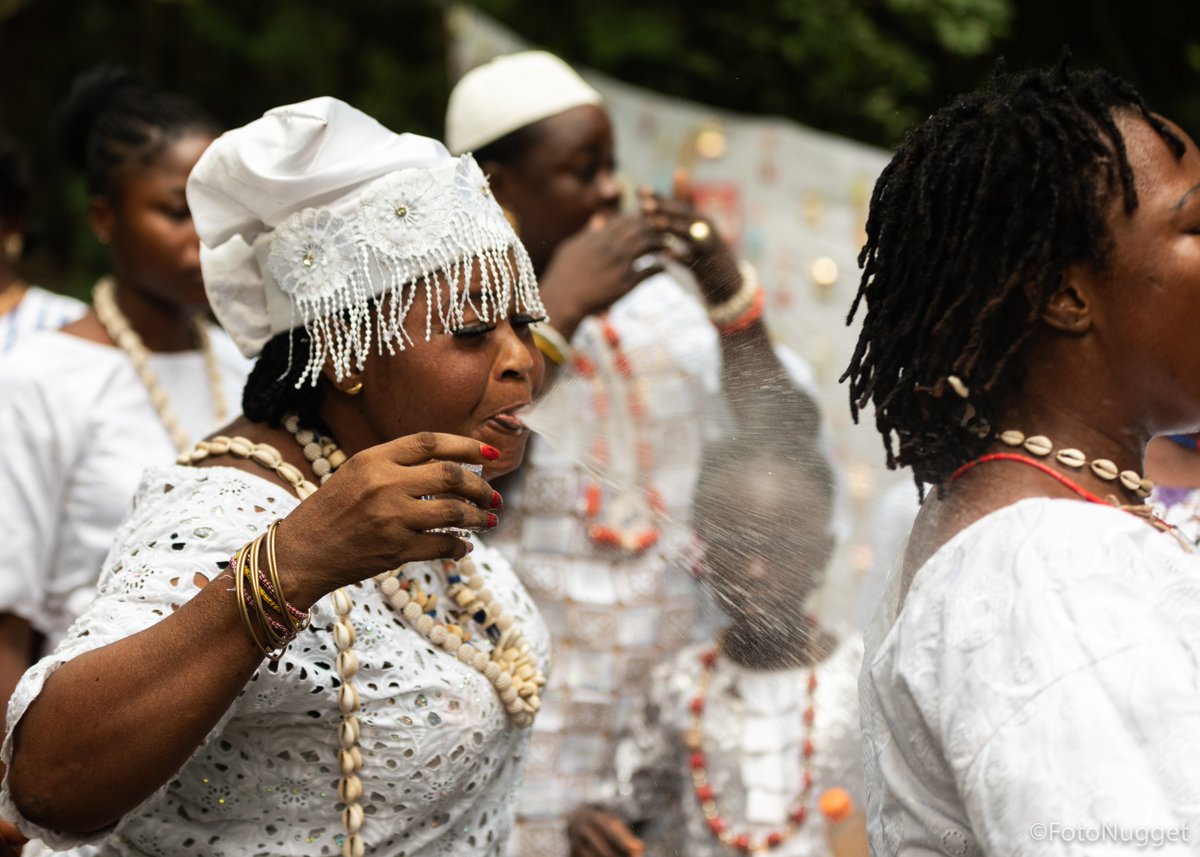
602	558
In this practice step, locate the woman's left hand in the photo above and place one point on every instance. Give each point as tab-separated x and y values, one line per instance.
699	246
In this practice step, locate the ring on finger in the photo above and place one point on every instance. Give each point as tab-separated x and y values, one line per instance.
643	263
699	231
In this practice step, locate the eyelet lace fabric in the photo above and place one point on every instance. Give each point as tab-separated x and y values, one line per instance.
441	761
1042	675
413	232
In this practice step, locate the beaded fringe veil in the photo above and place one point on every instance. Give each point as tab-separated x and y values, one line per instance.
413	232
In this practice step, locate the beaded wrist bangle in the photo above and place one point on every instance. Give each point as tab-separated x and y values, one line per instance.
552	343
753	314
270	621
742	303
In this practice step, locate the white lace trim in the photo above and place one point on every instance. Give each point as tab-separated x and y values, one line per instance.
408	227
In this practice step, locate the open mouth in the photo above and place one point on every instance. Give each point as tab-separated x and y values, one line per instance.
510	421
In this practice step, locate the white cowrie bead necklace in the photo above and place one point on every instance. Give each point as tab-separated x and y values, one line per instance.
1042	446
121	332
509	667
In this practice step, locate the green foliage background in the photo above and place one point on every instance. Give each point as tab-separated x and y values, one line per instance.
866	69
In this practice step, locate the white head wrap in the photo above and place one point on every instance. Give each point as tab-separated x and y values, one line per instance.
511	92
309	214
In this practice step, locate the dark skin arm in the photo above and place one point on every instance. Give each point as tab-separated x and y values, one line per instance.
16	648
163	689
749	366
592	832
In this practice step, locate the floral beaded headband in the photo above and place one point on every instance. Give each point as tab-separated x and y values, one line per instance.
408	227
315	215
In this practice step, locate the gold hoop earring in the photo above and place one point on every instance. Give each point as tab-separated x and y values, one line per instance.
354	389
513	220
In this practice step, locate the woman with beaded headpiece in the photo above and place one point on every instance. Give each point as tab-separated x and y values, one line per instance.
290	651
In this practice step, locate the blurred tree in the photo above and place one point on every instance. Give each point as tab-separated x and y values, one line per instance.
863	68
867	69
235	58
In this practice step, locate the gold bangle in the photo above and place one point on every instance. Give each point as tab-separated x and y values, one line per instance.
552	343
283	608
271	644
239	589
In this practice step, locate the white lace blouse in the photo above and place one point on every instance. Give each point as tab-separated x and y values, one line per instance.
753	736
78	427
441	760
1038	691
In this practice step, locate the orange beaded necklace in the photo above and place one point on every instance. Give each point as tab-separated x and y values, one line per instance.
643	534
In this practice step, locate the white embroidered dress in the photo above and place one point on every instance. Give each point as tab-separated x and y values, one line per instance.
78	427
753	741
1038	691
39	309
441	761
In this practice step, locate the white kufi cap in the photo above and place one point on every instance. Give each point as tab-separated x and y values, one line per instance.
511	92
310	214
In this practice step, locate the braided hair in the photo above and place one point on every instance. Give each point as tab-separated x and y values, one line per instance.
113	119
971	227
274	388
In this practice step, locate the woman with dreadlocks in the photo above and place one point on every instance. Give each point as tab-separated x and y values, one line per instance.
1031	282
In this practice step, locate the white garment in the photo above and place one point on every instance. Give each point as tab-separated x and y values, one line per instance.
1038	690
891	520
753	741
441	760
612	616
38	310
78	428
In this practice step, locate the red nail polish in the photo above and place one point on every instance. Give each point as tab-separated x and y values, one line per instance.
492	520
497	500
490	452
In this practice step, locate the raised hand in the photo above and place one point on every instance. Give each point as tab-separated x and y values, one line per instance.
370	516
697	243
598	265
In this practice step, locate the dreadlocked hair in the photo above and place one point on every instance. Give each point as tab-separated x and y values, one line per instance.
971	227
274	388
113	119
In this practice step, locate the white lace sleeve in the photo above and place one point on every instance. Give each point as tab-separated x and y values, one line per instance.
183	524
1059	677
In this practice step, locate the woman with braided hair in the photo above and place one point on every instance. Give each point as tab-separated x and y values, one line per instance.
1032	287
84	406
